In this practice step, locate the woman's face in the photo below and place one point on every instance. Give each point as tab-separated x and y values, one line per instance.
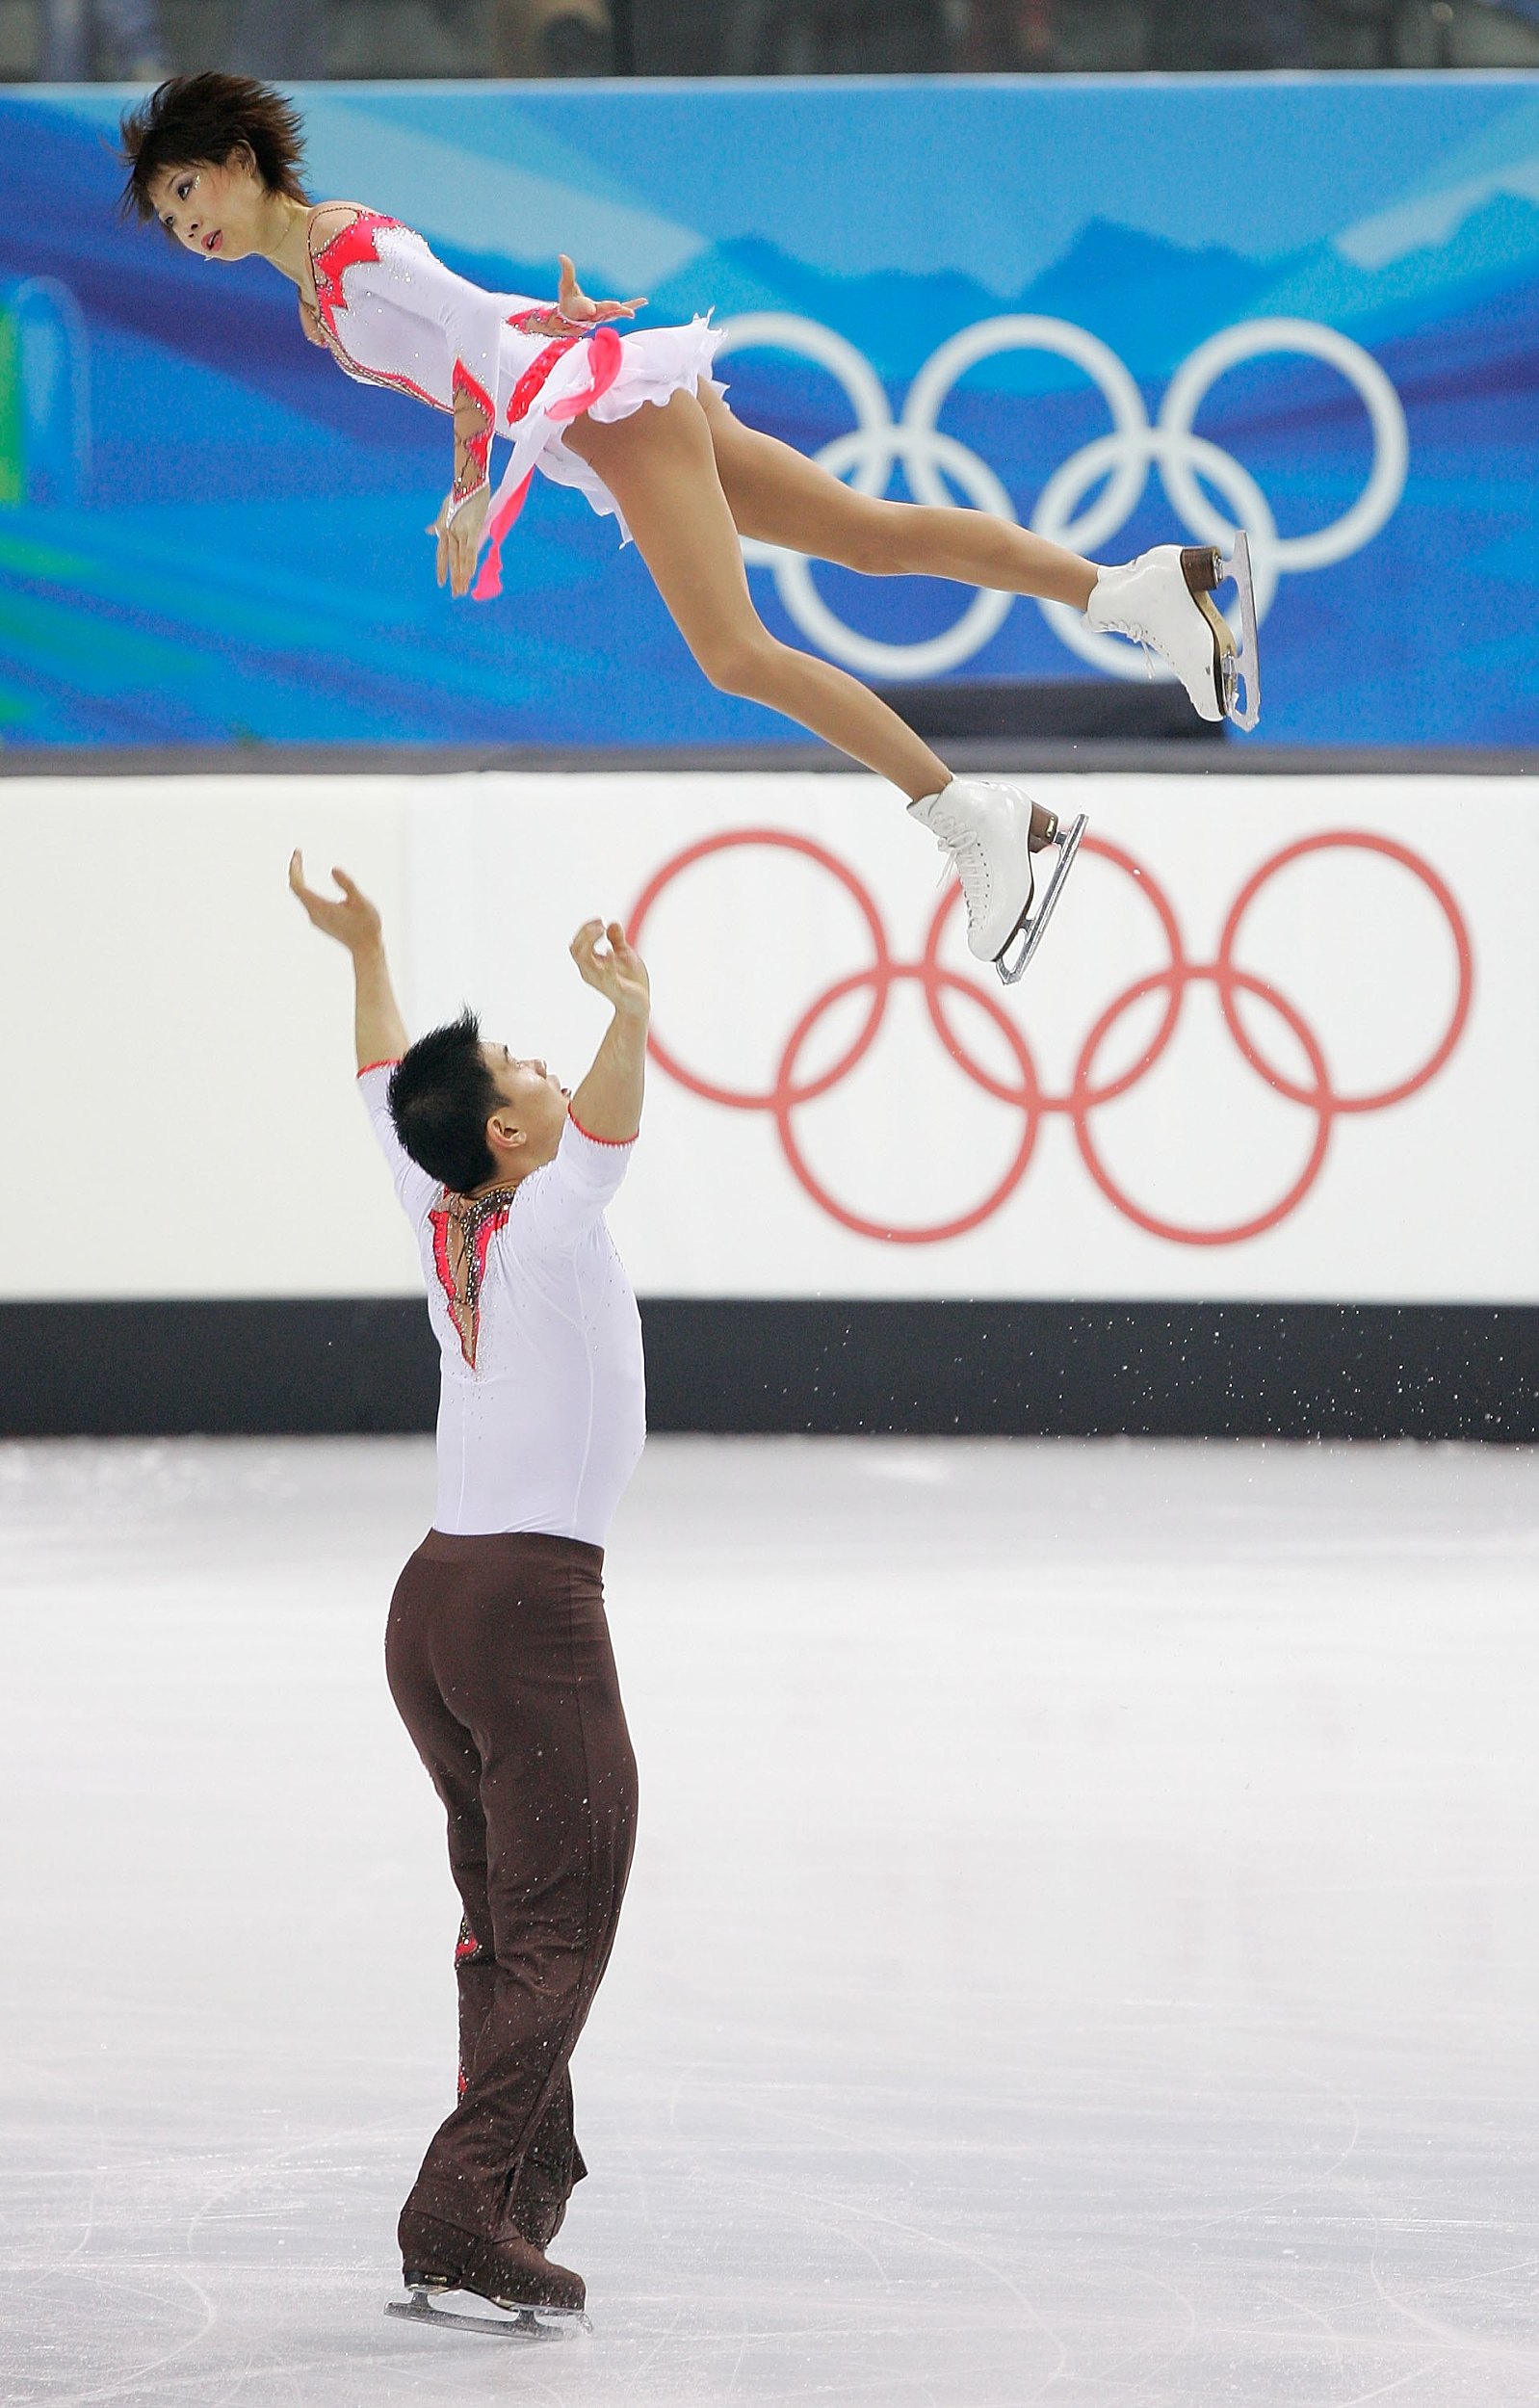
218	212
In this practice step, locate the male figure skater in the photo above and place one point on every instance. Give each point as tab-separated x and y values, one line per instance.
497	1650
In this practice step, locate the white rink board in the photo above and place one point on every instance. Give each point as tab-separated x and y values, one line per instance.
1429	1197
180	1092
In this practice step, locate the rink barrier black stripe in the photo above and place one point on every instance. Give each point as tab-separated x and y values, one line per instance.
353	1366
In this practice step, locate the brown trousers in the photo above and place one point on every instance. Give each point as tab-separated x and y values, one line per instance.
498	1659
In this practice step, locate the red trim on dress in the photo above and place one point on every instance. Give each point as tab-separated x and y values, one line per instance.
391	1062
465	382
488	584
603	360
383	376
351	245
477	447
592	1139
606	356
526	392
545	319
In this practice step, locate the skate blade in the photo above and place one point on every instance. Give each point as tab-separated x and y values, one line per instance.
1243	678
515	2325
1031	934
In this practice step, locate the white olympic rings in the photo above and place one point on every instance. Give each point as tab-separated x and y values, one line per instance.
937	462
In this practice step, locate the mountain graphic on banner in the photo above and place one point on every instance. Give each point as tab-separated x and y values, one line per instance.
1494	248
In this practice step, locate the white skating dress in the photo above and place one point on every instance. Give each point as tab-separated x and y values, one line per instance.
392	314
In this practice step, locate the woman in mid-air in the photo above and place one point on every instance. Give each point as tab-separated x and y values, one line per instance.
216	160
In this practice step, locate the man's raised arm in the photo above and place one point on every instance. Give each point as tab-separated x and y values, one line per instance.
608	1104
379	1033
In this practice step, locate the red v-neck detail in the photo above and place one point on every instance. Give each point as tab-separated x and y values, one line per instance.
477	1224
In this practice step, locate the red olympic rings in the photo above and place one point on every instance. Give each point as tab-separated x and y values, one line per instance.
941	986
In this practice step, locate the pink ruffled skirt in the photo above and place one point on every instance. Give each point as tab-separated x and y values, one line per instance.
654	365
605	377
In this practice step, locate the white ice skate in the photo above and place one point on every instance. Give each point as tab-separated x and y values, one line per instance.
990	832
1163	601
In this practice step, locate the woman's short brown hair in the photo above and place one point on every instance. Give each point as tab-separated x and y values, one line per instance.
199	120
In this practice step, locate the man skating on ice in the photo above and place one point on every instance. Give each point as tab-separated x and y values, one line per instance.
497	1649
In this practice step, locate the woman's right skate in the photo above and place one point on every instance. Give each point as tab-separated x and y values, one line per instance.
1163	600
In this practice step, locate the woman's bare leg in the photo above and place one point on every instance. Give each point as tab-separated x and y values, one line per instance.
777	495
660	466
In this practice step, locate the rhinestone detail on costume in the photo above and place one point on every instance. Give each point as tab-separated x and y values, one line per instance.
542	321
354	245
463	1230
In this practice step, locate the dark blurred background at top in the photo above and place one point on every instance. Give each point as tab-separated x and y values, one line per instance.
74	41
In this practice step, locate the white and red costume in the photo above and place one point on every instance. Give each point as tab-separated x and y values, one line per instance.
392	314
542	1402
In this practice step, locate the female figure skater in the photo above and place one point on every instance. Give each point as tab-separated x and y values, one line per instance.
217	158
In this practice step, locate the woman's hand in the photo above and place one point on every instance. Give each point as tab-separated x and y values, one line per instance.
613	967
574	304
458	541
353	921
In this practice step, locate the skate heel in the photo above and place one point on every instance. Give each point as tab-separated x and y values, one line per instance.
1202	567
1044	828
1011	964
1242	681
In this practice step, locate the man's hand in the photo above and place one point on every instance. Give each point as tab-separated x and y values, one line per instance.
608	1104
613	967
459	543
353	921
576	307
378	1032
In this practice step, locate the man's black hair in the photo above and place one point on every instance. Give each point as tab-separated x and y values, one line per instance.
441	1096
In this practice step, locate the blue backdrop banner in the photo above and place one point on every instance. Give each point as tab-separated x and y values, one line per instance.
1122	312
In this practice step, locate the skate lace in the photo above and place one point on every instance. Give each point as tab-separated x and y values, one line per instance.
1149	646
963	853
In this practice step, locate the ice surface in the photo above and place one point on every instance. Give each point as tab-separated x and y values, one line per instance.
1083	1948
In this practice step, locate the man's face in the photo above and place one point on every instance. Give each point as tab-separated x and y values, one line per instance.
536	1100
215	211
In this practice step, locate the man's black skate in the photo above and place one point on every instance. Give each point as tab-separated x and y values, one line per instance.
427	2305
440	2264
